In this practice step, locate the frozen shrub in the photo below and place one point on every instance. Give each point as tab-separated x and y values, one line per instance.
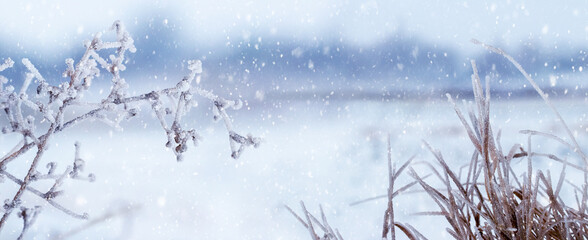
35	119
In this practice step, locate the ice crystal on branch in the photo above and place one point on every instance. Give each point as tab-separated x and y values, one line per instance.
51	104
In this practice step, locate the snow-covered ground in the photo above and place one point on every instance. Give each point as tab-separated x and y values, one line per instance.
285	58
318	151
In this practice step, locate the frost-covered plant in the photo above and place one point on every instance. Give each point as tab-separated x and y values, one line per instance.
35	119
328	232
494	200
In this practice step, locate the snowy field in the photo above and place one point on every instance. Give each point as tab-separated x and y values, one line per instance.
324	83
321	152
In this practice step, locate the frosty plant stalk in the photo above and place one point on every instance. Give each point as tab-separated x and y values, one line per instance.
494	200
50	104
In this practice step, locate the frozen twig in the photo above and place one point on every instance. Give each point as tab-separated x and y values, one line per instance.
42	195
28	215
8	63
51	104
124	211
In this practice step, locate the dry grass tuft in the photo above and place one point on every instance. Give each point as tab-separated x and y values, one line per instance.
495	201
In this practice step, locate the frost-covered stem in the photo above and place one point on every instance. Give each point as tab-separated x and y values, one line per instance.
83	216
153	95
28	215
52	192
329	232
391	176
91	113
310	227
90	50
475	141
41	147
543	95
577	149
220	105
8	63
184	89
33	70
180	108
16	199
228	125
296	216
25	148
42	195
107	216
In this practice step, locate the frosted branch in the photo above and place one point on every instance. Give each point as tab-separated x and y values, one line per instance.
8	204
8	63
39	101
28	215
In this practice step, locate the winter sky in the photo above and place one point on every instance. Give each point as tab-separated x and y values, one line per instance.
50	26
